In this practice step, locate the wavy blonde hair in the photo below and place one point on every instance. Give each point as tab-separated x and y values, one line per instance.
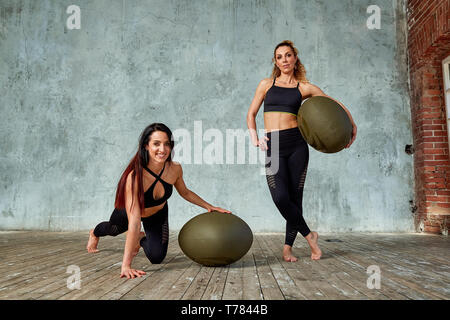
299	68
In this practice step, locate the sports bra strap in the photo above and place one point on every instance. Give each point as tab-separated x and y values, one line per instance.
158	177
298	84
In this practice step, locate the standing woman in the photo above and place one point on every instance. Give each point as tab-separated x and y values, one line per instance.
282	95
141	195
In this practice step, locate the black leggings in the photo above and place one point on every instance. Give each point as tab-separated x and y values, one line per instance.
156	229
286	165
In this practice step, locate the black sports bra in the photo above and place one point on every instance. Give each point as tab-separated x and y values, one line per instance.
280	99
148	195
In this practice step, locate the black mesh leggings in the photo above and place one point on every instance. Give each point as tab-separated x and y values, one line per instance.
286	166
156	229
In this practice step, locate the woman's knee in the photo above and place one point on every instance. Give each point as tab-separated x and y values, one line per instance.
155	254
157	259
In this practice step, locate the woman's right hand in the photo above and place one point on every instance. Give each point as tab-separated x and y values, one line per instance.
262	144
131	273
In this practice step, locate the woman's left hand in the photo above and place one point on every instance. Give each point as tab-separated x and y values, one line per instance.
353	136
210	209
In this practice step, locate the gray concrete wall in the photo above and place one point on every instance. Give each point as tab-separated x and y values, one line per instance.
73	103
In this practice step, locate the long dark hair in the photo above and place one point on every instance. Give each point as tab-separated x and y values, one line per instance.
137	164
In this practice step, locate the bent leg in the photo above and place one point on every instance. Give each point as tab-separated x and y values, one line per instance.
298	164
117	224
279	189
156	238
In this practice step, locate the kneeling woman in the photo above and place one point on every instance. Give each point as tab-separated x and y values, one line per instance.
142	195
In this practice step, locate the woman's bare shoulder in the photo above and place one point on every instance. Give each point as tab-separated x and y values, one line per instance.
309	89
176	167
265	83
175	164
305	84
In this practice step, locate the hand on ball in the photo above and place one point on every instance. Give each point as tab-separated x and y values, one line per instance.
218	209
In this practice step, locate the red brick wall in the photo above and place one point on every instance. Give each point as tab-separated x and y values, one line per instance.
428	45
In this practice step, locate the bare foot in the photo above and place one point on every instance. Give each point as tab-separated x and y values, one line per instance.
138	245
92	242
316	253
287	254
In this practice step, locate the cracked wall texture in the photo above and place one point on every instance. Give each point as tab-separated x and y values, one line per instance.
73	103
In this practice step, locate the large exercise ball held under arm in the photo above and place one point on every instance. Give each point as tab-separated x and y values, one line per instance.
324	124
215	238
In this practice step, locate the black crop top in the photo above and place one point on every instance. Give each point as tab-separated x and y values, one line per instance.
280	99
148	195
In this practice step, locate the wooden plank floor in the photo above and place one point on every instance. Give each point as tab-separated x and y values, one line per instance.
34	265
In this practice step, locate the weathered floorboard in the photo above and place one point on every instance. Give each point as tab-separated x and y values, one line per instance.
33	265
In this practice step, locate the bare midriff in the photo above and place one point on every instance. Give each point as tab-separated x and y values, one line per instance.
152	210
279	121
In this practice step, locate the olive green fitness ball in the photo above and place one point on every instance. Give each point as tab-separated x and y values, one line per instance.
324	124
215	238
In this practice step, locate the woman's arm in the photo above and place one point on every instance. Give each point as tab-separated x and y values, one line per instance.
253	111
313	91
134	226
191	196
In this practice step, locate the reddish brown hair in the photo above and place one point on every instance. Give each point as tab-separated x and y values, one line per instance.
136	166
